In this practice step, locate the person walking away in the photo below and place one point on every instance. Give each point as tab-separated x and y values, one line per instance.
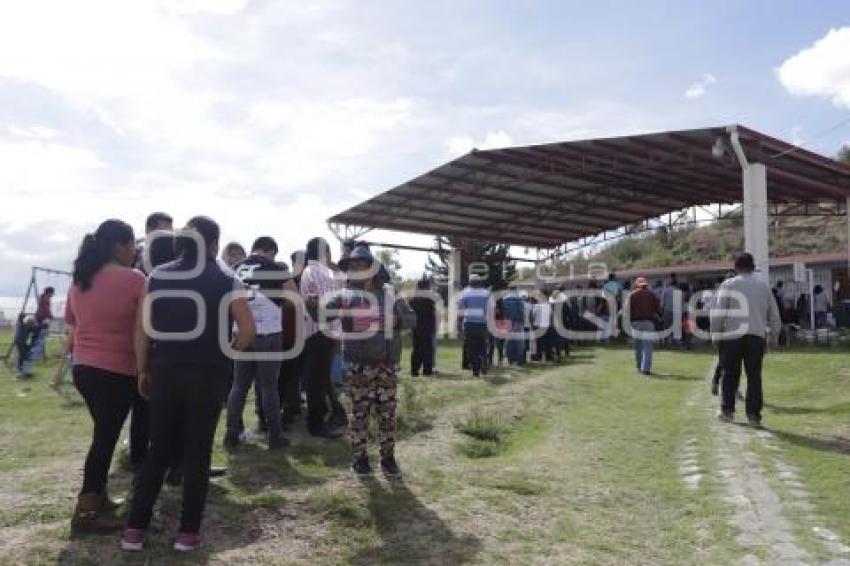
744	336
185	379
265	278
422	352
317	280
100	314
372	360
822	307
472	307
644	313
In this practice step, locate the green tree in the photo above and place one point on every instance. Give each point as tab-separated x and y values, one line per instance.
844	154
389	258
500	270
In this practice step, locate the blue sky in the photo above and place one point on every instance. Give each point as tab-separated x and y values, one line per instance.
271	116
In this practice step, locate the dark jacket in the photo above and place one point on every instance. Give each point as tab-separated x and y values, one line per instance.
378	348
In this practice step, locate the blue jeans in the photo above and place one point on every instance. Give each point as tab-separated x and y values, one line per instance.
643	346
266	374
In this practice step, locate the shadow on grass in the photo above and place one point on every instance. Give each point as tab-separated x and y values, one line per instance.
834	444
227	525
254	469
675	377
840	408
409	532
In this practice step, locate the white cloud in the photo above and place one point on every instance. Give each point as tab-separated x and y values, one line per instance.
700	88
822	69
460	144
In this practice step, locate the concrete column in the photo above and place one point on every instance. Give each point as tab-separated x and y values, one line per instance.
755	217
453	287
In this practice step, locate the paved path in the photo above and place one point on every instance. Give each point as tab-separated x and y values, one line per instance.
769	511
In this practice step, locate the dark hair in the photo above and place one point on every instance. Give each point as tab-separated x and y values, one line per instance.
317	248
96	250
162	249
153	220
779	283
817	290
423	284
233	246
744	262
264	244
49	290
206	227
611	276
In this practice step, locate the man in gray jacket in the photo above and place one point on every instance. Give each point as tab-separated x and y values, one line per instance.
744	317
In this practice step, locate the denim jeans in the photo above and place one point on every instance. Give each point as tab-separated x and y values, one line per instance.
266	374
643	346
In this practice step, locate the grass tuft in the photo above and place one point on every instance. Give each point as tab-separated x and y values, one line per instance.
484	425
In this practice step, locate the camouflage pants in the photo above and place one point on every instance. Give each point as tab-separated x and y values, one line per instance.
371	386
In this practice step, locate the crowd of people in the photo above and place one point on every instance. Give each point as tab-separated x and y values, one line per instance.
174	334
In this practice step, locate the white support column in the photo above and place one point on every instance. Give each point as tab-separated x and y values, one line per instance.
755	217
452	290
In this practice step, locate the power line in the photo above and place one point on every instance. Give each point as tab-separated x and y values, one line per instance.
815	138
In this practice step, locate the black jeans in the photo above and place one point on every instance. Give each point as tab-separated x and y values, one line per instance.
289	385
475	340
108	396
748	349
718	369
139	429
187	398
317	373
422	352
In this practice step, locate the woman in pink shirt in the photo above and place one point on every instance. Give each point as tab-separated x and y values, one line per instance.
101	314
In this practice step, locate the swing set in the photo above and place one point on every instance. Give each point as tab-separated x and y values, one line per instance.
40	279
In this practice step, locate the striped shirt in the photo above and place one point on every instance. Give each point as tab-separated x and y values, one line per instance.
472	303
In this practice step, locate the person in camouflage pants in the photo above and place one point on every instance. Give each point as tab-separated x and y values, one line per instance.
372	320
373	387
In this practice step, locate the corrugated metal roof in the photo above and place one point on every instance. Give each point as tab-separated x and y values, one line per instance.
546	195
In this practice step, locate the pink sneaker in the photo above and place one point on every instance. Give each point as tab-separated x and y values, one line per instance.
187	542
133	539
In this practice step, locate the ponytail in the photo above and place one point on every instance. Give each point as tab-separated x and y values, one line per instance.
96	250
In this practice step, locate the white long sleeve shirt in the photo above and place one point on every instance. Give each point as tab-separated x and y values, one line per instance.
757	304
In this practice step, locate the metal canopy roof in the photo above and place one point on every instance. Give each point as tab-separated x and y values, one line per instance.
545	195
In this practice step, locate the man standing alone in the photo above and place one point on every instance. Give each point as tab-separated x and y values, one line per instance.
743	331
644	312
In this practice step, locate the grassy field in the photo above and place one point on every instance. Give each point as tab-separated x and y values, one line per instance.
579	463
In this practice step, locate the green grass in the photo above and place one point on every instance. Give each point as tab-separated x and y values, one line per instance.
580	468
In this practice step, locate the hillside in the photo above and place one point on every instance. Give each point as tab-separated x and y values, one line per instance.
719	240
